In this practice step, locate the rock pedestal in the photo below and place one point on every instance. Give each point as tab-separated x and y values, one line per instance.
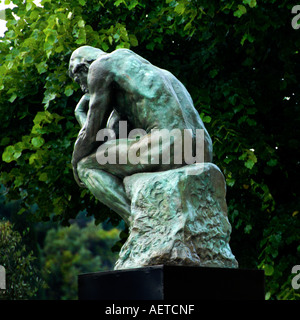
179	217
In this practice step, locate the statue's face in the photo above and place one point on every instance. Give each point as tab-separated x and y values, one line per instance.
79	69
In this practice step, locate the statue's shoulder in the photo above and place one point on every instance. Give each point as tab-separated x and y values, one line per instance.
117	55
122	53
114	60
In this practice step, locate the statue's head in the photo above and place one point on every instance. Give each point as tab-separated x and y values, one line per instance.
80	61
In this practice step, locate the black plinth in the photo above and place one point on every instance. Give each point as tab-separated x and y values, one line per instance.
172	282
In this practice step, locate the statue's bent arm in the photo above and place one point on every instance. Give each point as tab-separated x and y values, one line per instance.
99	83
82	109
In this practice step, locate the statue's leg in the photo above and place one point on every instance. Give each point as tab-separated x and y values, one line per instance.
105	181
106	187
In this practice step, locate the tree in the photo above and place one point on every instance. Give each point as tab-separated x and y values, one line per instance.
239	60
69	251
22	276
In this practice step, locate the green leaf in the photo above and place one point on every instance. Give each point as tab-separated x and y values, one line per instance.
251	3
37	142
10	34
133	4
206	119
28	59
33	157
8	153
249	164
28	6
230	182
38	129
251	122
104	46
133	40
81	36
51	39
238	108
57	117
81	23
269	270
68	91
19	146
4	141
49	96
22	210
248	229
240	11
17	155
42	67
180	8
13	98
82	2
233	99
43	177
43	116
187	26
118	2
251	159
248	37
213	73
272	162
34	14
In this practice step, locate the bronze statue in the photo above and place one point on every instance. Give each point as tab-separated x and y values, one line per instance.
176	210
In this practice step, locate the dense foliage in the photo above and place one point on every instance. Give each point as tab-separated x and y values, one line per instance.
69	251
239	60
22	276
42	260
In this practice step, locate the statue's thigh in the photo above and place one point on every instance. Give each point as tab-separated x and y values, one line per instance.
124	157
112	157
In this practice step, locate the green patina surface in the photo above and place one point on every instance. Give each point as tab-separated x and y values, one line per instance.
176	216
